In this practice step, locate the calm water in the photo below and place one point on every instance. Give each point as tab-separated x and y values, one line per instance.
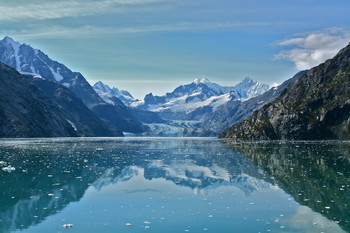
173	185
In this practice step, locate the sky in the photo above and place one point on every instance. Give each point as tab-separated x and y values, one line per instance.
154	46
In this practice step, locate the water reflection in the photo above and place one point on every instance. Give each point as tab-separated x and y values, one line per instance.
176	184
317	175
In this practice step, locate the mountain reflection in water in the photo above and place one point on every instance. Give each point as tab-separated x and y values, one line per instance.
236	186
316	174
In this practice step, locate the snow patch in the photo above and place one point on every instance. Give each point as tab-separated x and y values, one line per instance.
34	75
73	125
202	79
15	45
58	77
105	96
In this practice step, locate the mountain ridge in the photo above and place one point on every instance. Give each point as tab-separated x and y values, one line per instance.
314	107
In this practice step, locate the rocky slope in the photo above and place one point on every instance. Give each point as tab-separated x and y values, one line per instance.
25	111
316	106
74	108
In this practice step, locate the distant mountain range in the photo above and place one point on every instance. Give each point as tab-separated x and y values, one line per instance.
313	107
193	101
188	109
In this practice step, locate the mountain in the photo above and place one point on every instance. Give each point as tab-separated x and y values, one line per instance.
314	107
25	59
25	111
28	60
106	93
74	107
193	101
235	111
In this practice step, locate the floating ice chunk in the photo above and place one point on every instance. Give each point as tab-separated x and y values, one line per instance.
9	168
68	225
3	163
146	222
128	224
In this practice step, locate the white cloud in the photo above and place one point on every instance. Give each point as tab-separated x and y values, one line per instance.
310	49
306	220
61	9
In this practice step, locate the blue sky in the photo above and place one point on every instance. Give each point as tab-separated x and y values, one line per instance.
155	45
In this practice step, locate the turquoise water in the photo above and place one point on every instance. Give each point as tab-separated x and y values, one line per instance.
173	185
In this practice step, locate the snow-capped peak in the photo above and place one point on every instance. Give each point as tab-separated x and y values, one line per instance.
248	80
9	40
105	88
106	93
274	84
202	79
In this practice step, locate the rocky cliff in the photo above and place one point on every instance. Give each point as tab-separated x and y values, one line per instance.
25	111
316	106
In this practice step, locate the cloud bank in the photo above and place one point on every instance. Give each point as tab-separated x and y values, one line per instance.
310	49
62	9
53	31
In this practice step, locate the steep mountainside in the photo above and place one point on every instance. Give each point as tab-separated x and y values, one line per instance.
72	106
316	106
235	111
25	111
28	60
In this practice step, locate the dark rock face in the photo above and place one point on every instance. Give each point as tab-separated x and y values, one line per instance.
314	107
235	111
85	120
151	99
145	116
25	111
118	117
